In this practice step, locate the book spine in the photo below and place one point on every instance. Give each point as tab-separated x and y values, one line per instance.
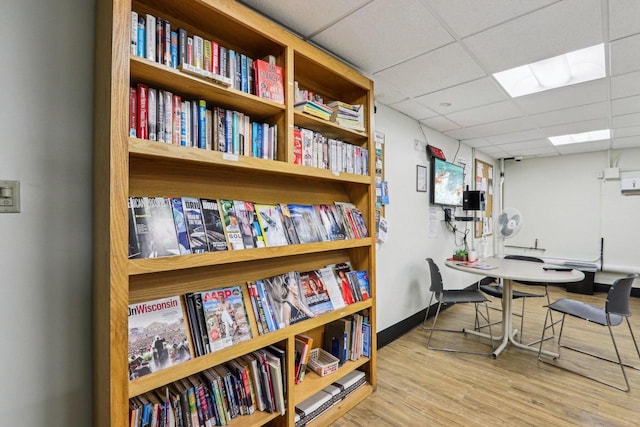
183	124
159	40
189	50
167	43
215	57
224	62
182	46
160	125
174	49
134	33
208	129
168	117
143	118
142	50
206	55
202	124
150	33
133	112
198	51
152	113
244	77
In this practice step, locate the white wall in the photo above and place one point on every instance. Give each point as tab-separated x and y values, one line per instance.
402	273
568	208
46	122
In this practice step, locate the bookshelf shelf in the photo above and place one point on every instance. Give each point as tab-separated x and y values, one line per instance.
126	166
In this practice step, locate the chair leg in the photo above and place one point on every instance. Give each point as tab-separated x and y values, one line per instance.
426	315
617	361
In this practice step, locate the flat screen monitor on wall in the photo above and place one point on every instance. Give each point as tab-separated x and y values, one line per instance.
447	183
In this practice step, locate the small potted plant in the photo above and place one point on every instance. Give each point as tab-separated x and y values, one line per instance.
460	255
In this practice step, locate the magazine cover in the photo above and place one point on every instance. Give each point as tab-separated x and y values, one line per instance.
225	316
162	228
289	227
271	224
134	245
363	282
195	225
181	226
157	336
333	226
231	224
247	220
213	225
333	287
315	293
306	223
286	297
348	286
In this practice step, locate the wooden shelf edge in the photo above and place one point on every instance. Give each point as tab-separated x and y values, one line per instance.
180	262
160	150
304	118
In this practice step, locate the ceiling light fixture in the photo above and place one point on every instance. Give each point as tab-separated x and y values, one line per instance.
574	138
563	70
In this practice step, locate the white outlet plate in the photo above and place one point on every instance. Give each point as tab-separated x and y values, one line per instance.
9	196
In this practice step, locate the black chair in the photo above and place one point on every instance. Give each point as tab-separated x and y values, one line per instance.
496	291
616	308
443	296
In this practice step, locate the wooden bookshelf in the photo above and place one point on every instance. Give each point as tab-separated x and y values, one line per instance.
126	166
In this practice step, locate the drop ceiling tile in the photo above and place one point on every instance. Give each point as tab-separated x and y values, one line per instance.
535	144
440	124
412	109
626	120
526	135
624	18
578	127
625	85
541	151
476	142
598	110
628	142
485	114
584	147
621	59
436	70
386	92
517	124
468	17
630	104
564	97
463	96
494	152
305	18
393	31
626	131
556	29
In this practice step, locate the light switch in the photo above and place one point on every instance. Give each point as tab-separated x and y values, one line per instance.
9	196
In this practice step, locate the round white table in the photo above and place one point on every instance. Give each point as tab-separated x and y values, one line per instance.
508	270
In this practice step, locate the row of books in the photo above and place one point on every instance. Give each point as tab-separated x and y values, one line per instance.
162	226
319	403
311	148
253	382
348	338
285	299
159	115
350	116
155	39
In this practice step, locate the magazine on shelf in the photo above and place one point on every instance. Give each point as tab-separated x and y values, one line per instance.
225	316
271	224
231	224
315	292
216	240
158	336
287	300
306	223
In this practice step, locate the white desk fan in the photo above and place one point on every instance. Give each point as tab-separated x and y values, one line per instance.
508	224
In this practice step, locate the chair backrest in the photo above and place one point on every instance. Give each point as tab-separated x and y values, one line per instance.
436	277
619	295
524	258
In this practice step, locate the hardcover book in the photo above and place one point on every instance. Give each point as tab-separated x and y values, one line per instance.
195	224
216	240
269	81
158	336
271	224
225	317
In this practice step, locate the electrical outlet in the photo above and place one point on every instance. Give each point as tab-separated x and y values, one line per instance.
9	196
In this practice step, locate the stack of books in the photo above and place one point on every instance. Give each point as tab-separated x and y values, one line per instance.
350	116
315	108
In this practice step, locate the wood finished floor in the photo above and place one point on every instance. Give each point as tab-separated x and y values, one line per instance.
422	387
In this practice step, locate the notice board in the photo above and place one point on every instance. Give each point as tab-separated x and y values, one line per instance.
484	182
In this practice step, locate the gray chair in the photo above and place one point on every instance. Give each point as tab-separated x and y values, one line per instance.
616	308
496	290
444	296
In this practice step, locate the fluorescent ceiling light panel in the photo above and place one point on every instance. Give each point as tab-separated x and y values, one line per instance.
574	67
574	138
